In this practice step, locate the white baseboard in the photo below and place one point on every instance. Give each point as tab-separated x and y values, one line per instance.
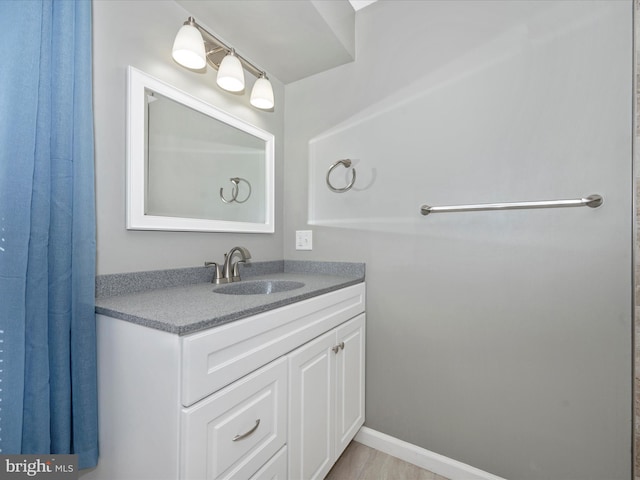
421	457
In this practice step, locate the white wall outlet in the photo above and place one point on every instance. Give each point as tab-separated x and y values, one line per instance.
304	240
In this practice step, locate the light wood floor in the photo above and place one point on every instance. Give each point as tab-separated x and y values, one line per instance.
359	462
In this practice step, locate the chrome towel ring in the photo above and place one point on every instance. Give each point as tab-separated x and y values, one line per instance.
346	163
235	190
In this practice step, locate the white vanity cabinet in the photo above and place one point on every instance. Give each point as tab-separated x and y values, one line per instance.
234	401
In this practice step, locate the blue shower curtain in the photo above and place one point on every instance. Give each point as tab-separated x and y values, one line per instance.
47	231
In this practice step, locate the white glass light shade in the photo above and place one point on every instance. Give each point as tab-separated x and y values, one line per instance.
188	48
262	94
230	74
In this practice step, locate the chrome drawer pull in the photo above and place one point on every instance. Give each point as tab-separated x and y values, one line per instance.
244	435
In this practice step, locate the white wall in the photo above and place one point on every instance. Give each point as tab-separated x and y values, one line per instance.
499	339
141	33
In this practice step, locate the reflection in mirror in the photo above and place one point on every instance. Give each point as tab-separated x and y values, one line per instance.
193	166
191	156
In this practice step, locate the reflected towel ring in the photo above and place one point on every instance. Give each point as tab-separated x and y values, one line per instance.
237	181
235	190
346	163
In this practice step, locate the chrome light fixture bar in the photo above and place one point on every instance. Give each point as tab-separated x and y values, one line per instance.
194	47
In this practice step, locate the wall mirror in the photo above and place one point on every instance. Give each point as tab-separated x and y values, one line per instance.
192	166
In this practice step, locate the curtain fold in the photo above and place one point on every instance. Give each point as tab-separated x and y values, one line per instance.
47	231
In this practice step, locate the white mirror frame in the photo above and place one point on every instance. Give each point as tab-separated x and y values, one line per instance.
138	81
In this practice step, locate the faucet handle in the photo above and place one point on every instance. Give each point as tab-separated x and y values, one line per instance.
217	274
236	271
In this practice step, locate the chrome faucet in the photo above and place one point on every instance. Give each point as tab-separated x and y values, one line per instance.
230	271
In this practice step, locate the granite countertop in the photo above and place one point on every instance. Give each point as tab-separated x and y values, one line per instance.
184	300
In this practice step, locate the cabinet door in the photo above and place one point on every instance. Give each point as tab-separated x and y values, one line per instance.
349	381
312	402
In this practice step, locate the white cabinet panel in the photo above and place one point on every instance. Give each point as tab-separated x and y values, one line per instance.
312	402
349	382
274	469
236	430
326	399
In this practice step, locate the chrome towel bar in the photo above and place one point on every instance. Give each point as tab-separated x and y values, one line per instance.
592	201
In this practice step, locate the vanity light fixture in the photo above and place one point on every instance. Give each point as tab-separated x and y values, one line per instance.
188	47
262	93
230	74
194	47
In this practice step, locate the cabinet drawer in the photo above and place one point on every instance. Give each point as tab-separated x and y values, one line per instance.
234	432
219	356
275	469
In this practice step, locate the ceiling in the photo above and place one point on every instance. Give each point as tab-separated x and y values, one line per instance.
360	4
288	39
